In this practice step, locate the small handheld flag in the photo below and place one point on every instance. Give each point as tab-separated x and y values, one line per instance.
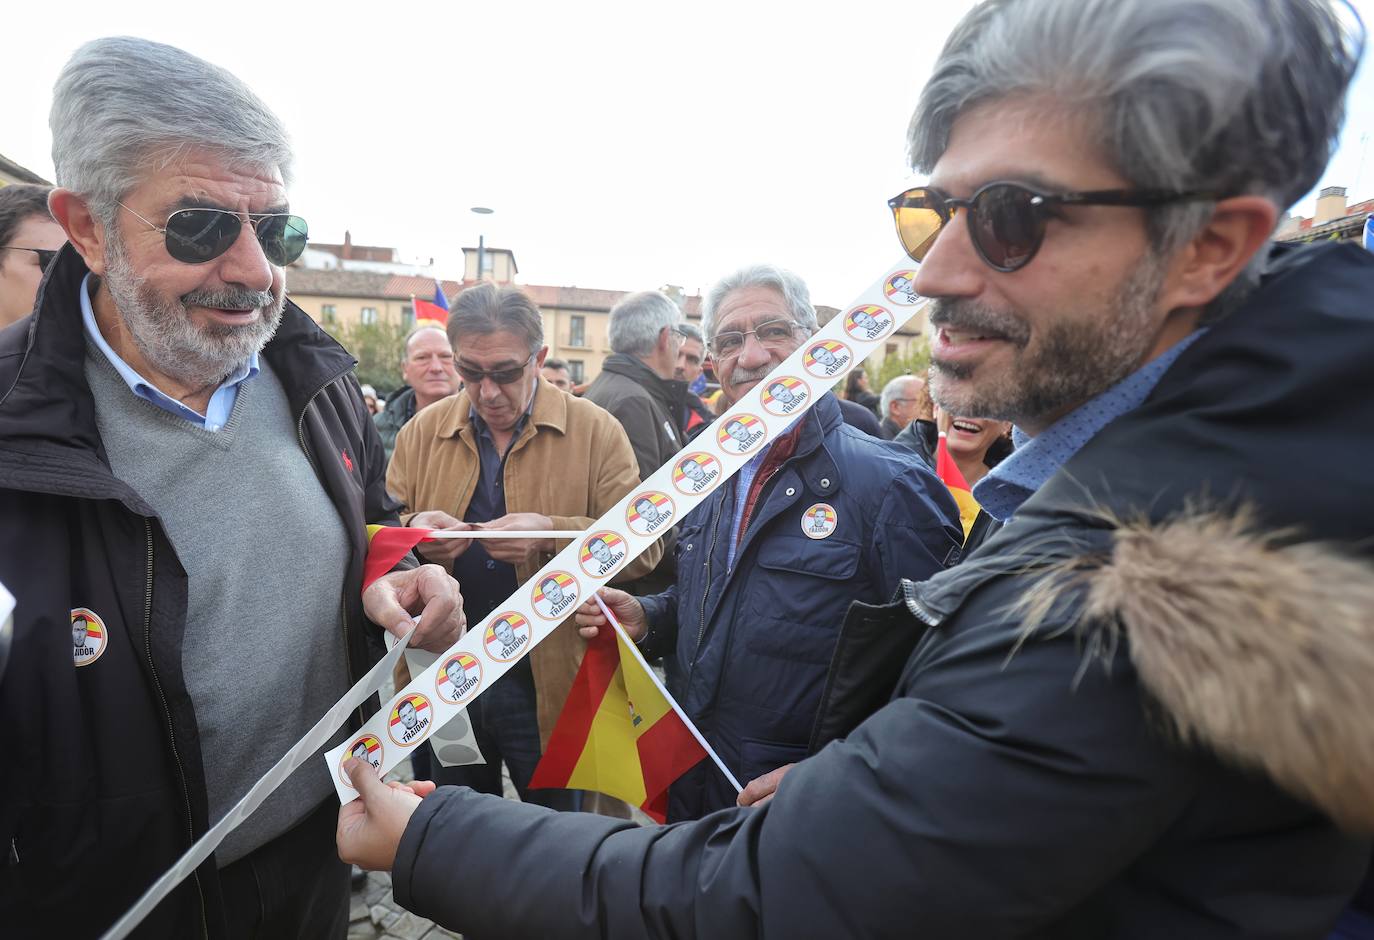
950	475
386	546
436	310
620	732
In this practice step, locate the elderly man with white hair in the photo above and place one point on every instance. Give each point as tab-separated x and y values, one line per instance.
189	460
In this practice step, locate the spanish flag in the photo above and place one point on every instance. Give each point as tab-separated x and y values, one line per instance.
619	733
386	546
948	472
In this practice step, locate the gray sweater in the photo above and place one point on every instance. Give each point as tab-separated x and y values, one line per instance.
264	552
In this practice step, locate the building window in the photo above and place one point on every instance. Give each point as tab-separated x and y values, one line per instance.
891	350
575	370
329	316
407	317
577	332
369	316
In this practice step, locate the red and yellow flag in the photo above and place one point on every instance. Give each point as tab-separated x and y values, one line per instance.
618	734
950	475
386	546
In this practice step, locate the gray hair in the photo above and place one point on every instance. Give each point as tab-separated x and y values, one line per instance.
691	331
1218	96
638	319
894	390
124	105
486	308
793	290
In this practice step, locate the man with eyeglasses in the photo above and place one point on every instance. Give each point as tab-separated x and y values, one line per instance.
187	455
512	453
900	403
1139	710
28	240
753	618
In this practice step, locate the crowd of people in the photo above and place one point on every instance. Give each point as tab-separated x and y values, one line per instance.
1131	700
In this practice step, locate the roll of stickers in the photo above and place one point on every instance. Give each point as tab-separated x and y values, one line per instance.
484	654
443	689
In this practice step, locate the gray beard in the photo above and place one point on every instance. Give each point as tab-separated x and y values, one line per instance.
1074	361
164	333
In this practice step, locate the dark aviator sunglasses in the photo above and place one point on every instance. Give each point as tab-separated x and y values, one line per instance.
1006	221
195	236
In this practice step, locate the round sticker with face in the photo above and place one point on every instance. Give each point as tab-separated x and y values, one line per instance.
900	287
364	747
819	521
785	395
506	636
602	553
410	719
696	473
868	322
458	679
89	637
555	595
827	359
741	434
650	512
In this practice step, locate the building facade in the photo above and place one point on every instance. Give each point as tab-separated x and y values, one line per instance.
1333	220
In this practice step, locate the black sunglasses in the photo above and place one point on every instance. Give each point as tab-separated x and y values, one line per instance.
45	255
499	376
195	236
1006	221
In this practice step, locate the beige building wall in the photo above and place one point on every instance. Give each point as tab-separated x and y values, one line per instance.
339	313
561	327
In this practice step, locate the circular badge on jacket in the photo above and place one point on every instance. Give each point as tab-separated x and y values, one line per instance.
785	395
820	521
696	473
364	747
555	595
900	287
868	322
741	434
506	636
602	553
410	717
88	636
458	679
827	358
649	512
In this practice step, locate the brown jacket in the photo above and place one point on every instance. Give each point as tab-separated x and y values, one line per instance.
572	462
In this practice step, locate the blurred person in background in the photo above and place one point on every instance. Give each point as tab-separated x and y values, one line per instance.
28	240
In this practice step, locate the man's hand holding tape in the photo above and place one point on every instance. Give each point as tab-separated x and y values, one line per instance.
428	592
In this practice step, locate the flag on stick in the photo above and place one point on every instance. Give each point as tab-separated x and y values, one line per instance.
950	475
620	732
436	310
386	546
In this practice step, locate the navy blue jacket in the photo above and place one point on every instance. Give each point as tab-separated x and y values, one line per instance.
753	643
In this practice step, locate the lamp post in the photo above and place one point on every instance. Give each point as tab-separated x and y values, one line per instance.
481	241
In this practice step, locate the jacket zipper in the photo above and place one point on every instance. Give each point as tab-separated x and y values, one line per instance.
343	602
171	733
701	628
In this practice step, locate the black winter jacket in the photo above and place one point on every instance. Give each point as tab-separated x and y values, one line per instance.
103	786
1140	711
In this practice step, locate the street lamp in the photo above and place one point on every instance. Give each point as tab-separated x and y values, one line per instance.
481	240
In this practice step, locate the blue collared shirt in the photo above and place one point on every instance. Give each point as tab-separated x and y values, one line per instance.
221	404
1036	459
744	480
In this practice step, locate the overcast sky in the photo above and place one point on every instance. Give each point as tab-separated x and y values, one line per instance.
622	145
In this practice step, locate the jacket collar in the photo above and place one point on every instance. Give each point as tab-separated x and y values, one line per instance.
47	412
550	411
671	393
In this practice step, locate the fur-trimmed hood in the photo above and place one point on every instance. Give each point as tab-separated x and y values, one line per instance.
1256	647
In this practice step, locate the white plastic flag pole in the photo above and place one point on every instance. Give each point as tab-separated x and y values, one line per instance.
504	534
610	618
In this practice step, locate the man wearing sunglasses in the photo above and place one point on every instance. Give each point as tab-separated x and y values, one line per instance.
28	240
187	455
1139	710
513	453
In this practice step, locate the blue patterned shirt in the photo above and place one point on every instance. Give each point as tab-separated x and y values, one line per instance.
1036	459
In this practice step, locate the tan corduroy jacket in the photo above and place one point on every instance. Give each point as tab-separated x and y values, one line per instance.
572	462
